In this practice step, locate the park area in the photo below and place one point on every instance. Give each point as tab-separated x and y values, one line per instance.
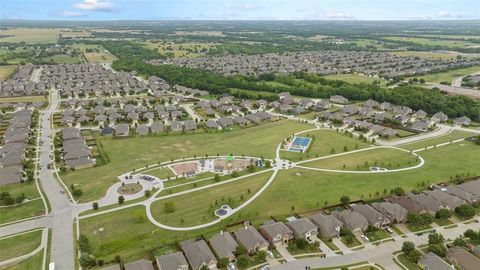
17	245
30	35
449	76
95	53
32	205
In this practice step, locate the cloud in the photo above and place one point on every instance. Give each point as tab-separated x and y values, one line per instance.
249	6
95	5
446	14
420	17
335	15
67	13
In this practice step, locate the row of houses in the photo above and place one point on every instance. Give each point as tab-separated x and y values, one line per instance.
76	153
19	84
12	153
457	257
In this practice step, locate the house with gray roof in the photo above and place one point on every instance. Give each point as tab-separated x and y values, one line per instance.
352	220
426	202
276	233
199	254
338	99
460	193
328	225
238	120
462	121
303	228
224	245
189	125
10	175
392	211
251	239
139	265
463	259
431	261
211	124
472	187
421	125
225	122
447	200
407	203
374	218
439	117
157	127
172	261
122	130
142	130
176	126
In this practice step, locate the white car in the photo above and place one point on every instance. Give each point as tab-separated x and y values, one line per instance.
266	267
231	266
365	238
270	254
389	230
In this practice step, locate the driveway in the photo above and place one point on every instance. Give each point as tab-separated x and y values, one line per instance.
285	254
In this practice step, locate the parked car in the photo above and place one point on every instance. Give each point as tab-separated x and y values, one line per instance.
365	238
231	266
389	230
270	254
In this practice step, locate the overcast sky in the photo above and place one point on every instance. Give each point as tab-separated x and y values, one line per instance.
240	10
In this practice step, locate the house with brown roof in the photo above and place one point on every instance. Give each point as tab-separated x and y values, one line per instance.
172	261
463	259
328	225
303	228
224	245
251	239
276	233
199	254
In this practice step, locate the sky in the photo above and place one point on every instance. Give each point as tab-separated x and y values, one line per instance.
240	9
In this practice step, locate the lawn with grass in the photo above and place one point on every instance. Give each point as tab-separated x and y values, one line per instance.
198	207
448	76
23	99
353	78
433	41
402	258
452	136
30	35
260	140
187	49
6	71
160	172
28	189
323	143
33	263
353	243
15	246
183	180
442	222
426	55
376	235
416	228
95	53
63	59
362	161
25	210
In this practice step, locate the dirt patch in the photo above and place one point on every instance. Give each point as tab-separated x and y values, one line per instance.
129	189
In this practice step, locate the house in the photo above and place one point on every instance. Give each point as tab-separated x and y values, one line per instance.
176	126
463	259
328	225
472	187
374	218
276	233
122	130
371	103
421	125
407	203
157	127
352	220
338	99
394	212
225	122
212	124
199	254
112	267
224	245
426	202
10	175
460	193
303	228
431	261
172	261
139	265
240	121
420	114
79	163
447	200
349	110
189	125
439	117
142	130
251	239
321	105
462	121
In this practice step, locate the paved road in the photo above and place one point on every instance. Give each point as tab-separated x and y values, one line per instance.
442	130
453	90
62	228
457	82
15	228
191	111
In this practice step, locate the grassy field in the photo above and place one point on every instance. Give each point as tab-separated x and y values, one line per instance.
63	59
426	54
407	262
448	76
24	210
258	141
198	207
189	49
99	54
324	142
353	78
162	173
19	245
6	71
24	99
30	35
454	135
33	263
362	161
434	41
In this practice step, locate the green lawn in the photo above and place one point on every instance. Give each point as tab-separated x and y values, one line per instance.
416	228
324	142
258	141
426	54
354	243
30	35
407	262
454	135
448	76
377	235
19	245
198	207
63	59
442	222
433	41
162	173
23	99
182	180
22	211
28	189
98	55
6	71
353	78
33	263
362	161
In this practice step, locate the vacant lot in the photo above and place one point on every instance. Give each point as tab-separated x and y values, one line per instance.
434	41
362	161
30	35
19	245
128	153
63	59
353	78
454	135
326	142
24	210
198	207
190	49
33	263
426	54
95	53
6	71
24	99
448	76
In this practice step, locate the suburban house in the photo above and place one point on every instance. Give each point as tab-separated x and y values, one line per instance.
460	193
172	261
199	254
224	245
394	212
463	259
374	218
439	117
276	233
352	220
447	200
121	130
426	202
472	187
303	228
431	261
251	239
139	265
338	99
462	121
328	225
407	203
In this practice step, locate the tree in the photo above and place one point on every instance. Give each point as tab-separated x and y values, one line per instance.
8	200
414	255
301	243
399	191
148	193
87	261
169	207
95	205
465	211
84	244
443	214
216	177
459	242
242	261
121	199
268	164
435	238
240	250
262	255
77	192
438	249
345	200
223	262
407	247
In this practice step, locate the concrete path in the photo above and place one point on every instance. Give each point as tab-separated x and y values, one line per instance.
21	258
457	82
31	224
285	254
442	130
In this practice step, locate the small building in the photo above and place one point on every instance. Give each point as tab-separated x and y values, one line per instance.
431	261
328	225
172	261
199	254
352	220
439	117
463	259
338	99
374	218
139	265
462	121
394	212
251	239
224	245
303	228
122	130
276	233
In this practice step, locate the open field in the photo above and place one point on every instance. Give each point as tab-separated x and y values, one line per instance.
454	135
19	245
32	263
30	35
23	99
98	55
63	59
362	161
190	49
6	71
198	207
434	41
28	189
426	54
324	142
258	141
449	76
353	78
22	211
